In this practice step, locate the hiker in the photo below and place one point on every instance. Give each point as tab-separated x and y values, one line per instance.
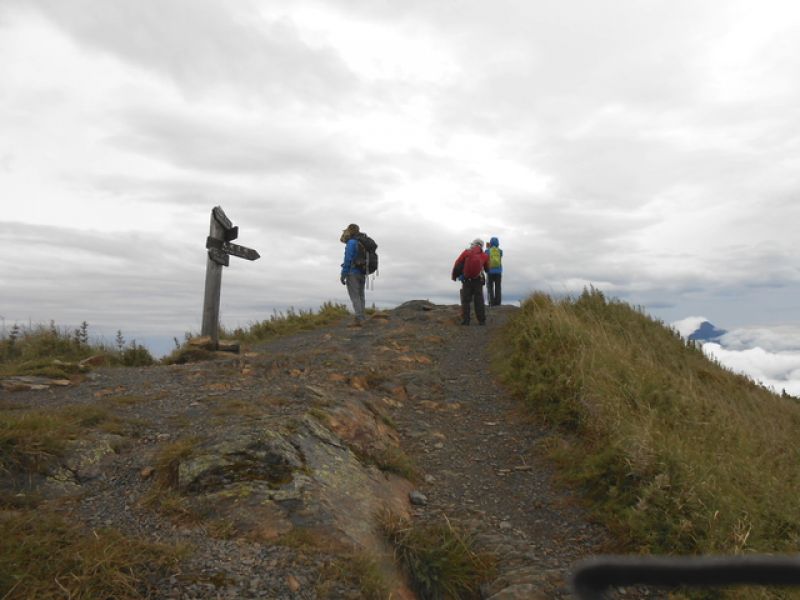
469	268
495	272
360	260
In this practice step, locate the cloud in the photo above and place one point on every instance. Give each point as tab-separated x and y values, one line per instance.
220	143
649	150
111	280
777	338
688	326
768	355
777	370
207	46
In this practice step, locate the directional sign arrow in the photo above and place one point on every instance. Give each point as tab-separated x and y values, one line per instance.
240	251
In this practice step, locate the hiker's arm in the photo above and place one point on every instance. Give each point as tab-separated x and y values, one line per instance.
459	262
350	251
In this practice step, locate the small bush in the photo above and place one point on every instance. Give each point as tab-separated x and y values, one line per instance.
136	356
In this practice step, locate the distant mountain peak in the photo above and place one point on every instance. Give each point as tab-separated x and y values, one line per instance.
706	332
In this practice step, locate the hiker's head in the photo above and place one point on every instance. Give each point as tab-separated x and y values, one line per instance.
351	230
477	242
494	242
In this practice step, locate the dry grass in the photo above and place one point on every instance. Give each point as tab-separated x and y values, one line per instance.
33	441
239	407
359	569
45	558
163	495
393	460
440	559
50	351
676	453
290	322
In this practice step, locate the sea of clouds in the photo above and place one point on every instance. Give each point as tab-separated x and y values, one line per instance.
770	355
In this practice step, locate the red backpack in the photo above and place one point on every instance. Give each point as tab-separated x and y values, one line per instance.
473	262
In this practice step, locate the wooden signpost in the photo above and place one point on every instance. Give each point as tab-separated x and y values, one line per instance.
219	248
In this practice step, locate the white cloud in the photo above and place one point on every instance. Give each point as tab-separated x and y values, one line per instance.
777	370
772	339
649	149
688	326
769	355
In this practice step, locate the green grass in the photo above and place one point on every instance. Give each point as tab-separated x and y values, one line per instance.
33	441
46	558
288	323
279	324
675	453
440	559
49	351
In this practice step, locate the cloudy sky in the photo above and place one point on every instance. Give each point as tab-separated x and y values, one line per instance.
650	148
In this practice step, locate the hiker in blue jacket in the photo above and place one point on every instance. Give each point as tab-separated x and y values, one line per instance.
495	272
351	276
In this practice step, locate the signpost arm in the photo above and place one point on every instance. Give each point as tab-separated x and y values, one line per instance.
213	288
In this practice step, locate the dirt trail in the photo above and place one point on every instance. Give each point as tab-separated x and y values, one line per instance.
480	454
430	378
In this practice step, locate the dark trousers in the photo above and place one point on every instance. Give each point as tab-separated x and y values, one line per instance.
493	287
472	291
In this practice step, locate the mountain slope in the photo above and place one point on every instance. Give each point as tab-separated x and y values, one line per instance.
678	454
269	474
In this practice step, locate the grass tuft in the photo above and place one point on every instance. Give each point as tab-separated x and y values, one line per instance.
440	560
392	459
32	442
359	569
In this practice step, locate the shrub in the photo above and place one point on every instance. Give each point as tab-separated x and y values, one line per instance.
136	356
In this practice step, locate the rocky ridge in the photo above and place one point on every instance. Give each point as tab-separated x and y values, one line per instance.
270	464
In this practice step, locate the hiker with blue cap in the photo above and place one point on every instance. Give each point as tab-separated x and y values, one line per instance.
495	271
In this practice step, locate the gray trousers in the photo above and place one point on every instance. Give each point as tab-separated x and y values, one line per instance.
355	287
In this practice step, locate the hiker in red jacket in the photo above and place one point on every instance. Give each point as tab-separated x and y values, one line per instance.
469	268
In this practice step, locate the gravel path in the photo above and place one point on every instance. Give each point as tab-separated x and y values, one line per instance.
477	451
480	454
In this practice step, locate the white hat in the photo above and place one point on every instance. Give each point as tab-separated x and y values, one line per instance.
477	242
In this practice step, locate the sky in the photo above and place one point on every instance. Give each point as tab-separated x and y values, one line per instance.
649	148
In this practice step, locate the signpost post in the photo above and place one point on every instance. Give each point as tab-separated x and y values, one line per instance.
221	233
